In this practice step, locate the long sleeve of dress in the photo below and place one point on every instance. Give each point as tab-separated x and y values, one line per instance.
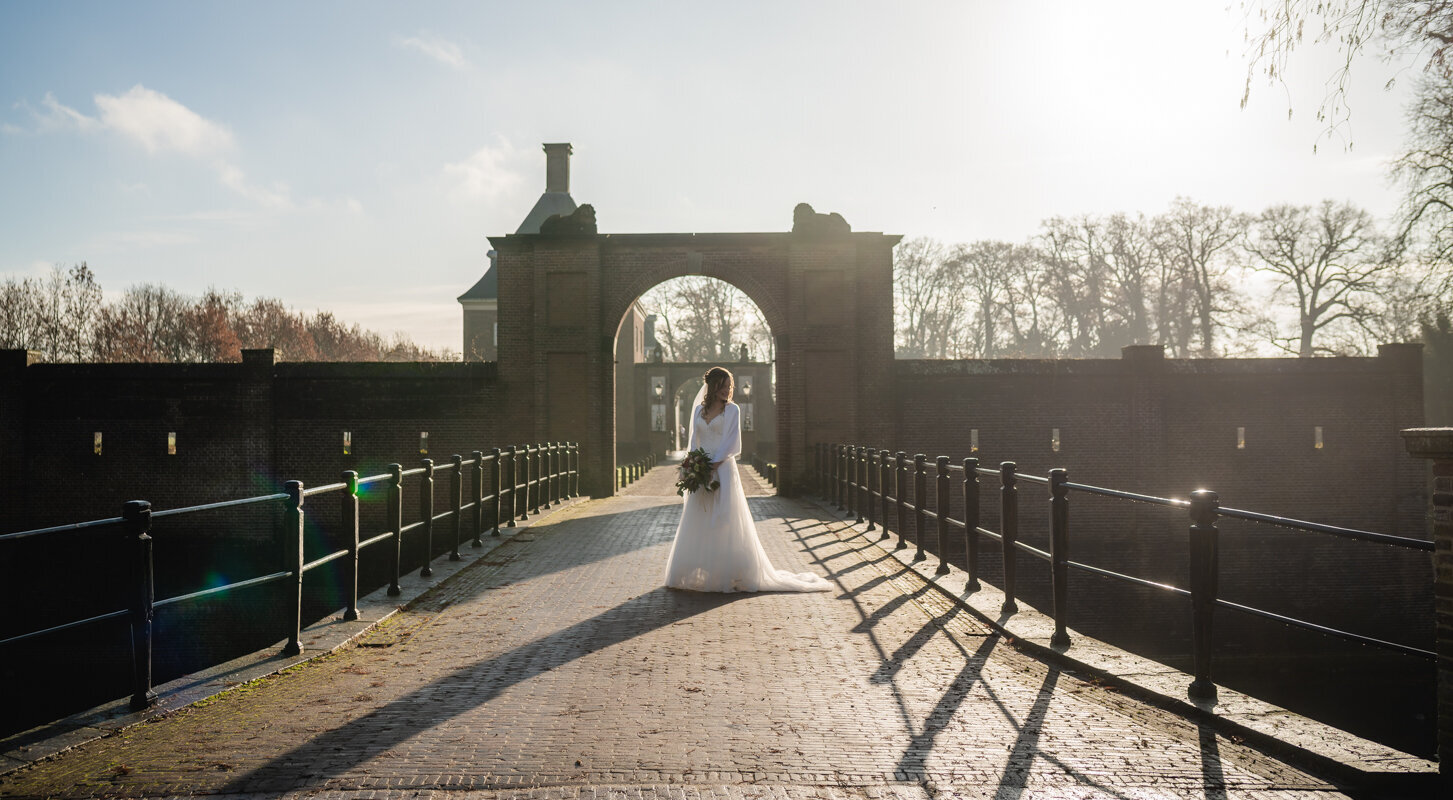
731	438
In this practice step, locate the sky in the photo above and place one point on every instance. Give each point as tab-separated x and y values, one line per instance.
354	156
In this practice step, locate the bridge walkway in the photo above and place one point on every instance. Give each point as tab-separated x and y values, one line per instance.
557	667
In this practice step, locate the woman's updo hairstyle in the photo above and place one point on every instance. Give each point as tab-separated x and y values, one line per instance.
715	378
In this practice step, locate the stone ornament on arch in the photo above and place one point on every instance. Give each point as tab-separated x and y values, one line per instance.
808	222
580	221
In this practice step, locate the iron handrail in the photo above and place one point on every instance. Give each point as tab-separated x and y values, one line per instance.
1034	551
552	474
68	528
262	498
369	542
259	580
849	472
1120	576
63	626
1123	495
321	560
1317	527
1312	626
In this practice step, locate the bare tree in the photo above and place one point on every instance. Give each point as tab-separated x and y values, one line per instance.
1329	258
988	271
146	324
1391	28
928	300
1425	220
19	313
81	308
1196	244
1129	256
1072	255
706	319
1030	314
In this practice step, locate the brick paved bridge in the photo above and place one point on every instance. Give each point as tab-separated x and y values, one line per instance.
556	666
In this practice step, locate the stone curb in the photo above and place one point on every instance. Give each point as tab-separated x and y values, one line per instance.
323	637
1317	747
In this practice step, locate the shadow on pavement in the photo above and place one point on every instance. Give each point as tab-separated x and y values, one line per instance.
337	751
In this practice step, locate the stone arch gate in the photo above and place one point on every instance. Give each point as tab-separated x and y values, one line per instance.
827	297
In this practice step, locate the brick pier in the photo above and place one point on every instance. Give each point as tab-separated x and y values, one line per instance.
557	667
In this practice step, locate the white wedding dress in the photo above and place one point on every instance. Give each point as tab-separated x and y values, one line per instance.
716	547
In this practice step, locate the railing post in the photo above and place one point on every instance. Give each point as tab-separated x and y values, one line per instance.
884	470
496	479
396	520
541	482
868	487
350	532
514	484
1009	520
137	529
574	469
557	479
456	496
557	452
426	515
860	477
900	486
1205	507
943	503
292	539
855	479
1059	553
837	476
971	521
524	486
920	520
478	471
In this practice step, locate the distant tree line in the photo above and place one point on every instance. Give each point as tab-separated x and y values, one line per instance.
1204	281
65	317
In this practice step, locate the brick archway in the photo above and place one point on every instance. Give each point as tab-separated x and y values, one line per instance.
828	300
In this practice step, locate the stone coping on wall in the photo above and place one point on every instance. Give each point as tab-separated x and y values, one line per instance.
1321	748
1381	364
709	239
449	370
318	639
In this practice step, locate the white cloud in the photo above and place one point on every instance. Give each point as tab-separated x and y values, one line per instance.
60	117
56	116
160	123
234	178
491	171
437	48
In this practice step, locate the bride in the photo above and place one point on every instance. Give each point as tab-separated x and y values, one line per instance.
716	547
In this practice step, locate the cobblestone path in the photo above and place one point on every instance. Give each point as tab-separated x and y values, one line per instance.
559	668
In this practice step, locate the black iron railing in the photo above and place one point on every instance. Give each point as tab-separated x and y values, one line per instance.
873	486
521	480
627	474
765	468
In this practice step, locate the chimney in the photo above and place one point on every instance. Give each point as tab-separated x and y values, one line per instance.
557	167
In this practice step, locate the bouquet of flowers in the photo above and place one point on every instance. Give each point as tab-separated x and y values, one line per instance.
696	473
